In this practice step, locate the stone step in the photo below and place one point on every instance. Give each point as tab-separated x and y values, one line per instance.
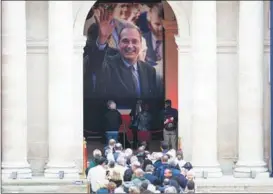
43	185
228	184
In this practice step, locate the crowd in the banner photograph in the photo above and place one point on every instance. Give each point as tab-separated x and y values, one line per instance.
119	170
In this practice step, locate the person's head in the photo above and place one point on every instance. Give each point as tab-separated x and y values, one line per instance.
164	146
111	164
135	165
133	159
172	162
139	173
115	175
121	161
139	101
191	185
143	187
145	107
97	153
179	155
128	153
156	17
134	190
130	43
168	103
188	166
190	175
170	189
166	182
118	147
125	10
112	142
164	159
111	105
102	161
141	149
149	168
143	51
111	186
168	173
147	192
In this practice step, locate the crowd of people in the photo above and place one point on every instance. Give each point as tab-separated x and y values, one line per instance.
118	170
141	123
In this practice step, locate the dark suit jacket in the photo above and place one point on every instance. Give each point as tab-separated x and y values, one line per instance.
114	79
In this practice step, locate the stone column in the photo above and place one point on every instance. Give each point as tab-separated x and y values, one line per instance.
60	91
204	115
250	106
14	91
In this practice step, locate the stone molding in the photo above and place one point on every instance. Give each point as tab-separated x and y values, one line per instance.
224	46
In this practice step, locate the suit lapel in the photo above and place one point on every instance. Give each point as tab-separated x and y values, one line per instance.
123	74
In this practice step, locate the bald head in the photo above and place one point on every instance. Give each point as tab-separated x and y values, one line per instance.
139	173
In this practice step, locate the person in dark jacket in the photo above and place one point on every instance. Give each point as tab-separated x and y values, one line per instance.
149	175
170	124
144	125
173	182
135	111
128	174
112	121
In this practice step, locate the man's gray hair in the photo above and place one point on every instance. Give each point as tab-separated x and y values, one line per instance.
133	159
139	172
149	168
118	146
172	162
111	104
170	189
97	153
128	153
121	161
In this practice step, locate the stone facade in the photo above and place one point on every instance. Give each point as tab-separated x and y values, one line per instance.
34	110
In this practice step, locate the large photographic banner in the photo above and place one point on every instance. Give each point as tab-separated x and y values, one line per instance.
123	56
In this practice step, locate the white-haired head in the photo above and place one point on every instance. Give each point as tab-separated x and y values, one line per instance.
172	162
133	159
170	189
97	153
135	165
121	161
111	105
128	153
139	173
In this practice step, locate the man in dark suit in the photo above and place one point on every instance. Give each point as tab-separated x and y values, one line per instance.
121	75
154	38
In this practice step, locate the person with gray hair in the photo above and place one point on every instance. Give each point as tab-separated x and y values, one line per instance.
170	189
94	161
139	178
150	176
112	121
128	174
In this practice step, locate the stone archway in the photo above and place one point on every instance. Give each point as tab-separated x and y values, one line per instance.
184	80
